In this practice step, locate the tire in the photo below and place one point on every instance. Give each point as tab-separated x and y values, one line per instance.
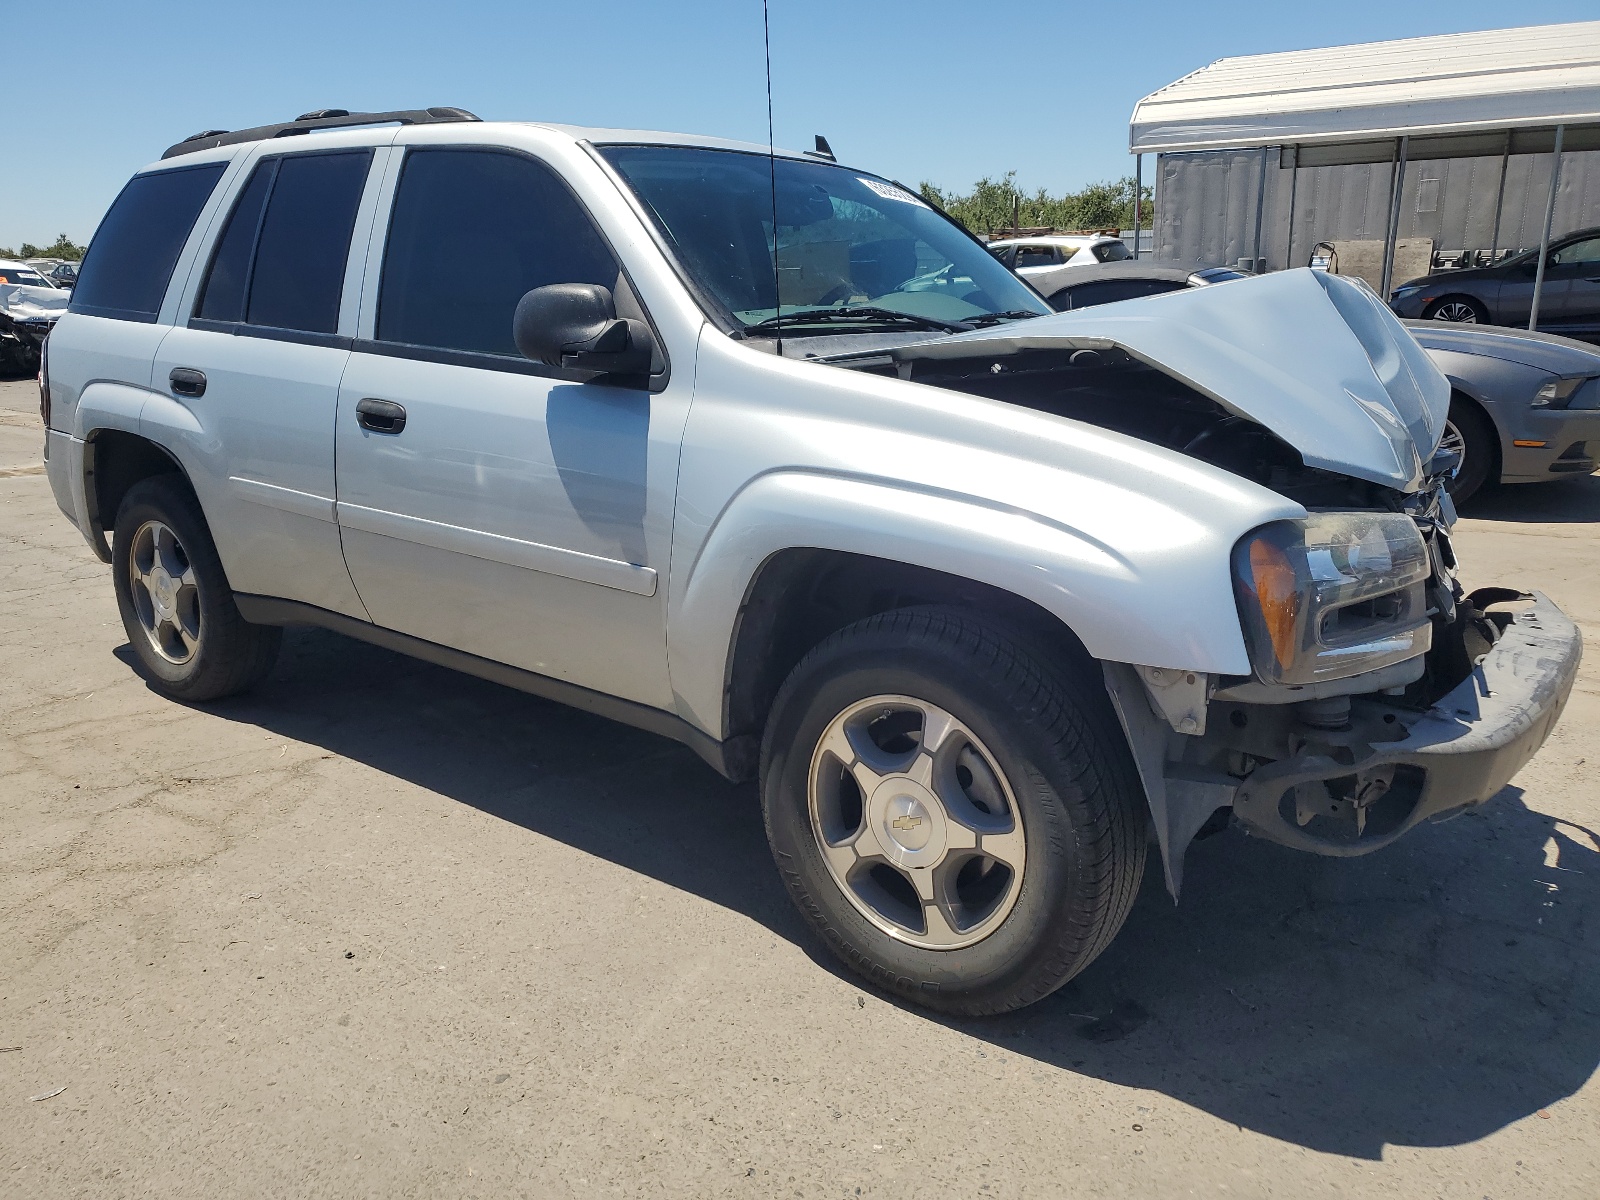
1459	310
1472	434
188	638
1061	835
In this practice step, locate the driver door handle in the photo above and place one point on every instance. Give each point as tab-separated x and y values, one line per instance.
380	416
186	381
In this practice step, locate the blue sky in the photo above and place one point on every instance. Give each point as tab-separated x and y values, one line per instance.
914	89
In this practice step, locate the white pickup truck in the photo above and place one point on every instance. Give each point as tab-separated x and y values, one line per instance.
765	454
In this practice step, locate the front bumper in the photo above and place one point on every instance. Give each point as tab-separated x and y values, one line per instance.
1412	307
1396	767
1571	437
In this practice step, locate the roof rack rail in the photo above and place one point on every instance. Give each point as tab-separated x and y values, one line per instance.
322	118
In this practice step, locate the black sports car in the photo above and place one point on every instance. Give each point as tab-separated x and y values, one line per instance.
1503	294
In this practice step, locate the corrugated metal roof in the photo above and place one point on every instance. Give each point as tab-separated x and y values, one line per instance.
1498	79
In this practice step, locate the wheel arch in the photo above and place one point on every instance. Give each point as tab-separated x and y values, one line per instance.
1468	397
114	460
849	546
800	595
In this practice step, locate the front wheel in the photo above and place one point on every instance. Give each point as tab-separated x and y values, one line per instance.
954	812
177	609
1459	310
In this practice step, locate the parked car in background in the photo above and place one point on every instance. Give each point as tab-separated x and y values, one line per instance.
1041	258
29	308
20	274
1524	407
1503	294
63	274
1106	283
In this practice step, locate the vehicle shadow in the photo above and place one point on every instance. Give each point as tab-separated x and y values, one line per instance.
1560	502
1426	996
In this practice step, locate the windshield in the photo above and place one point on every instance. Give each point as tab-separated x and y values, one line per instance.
851	248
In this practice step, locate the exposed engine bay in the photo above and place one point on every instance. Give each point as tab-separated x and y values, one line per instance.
1112	389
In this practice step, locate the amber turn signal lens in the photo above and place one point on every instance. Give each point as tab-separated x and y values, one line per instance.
1277	595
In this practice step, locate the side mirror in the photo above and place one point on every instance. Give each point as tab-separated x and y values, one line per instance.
576	325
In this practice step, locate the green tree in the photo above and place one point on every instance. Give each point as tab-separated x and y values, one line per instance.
996	204
63	247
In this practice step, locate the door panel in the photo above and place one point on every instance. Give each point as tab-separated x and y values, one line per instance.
506	512
267	415
1575	307
516	517
264	356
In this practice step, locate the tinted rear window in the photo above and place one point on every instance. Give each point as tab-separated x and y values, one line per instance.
223	296
130	261
305	240
285	269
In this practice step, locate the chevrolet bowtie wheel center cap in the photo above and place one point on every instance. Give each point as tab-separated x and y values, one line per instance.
910	823
161	591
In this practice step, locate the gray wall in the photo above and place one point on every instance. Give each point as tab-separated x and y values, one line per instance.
1206	203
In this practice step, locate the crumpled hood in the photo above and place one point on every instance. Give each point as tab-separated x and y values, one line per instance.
20	301
1315	358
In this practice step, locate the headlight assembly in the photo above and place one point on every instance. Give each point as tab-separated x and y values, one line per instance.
1557	392
1332	595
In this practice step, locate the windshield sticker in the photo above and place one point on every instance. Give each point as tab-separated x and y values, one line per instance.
889	192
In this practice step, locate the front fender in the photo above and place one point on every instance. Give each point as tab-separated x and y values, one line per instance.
1169	602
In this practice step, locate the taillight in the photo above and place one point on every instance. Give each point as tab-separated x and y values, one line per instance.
44	392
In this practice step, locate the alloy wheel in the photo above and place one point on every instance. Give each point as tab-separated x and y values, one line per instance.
166	596
916	822
1458	311
1453	441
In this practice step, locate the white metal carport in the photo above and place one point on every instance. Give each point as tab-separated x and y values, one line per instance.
1533	90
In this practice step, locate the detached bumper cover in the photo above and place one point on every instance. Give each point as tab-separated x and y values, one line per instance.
1457	754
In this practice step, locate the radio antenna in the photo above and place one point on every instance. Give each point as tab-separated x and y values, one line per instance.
772	177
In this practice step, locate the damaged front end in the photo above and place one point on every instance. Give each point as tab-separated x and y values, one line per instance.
27	314
1379	695
1347	768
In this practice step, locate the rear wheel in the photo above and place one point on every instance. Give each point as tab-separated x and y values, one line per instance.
1460	310
957	817
1470	433
177	609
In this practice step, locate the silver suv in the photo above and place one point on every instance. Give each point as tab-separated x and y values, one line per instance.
766	455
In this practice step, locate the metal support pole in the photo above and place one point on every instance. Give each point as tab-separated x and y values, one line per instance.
1394	220
1288	235
1261	202
1500	200
1549	216
1138	195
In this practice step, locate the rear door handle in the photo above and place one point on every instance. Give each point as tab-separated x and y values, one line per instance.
380	416
186	381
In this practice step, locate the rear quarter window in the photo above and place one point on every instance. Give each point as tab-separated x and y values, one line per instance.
130	261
